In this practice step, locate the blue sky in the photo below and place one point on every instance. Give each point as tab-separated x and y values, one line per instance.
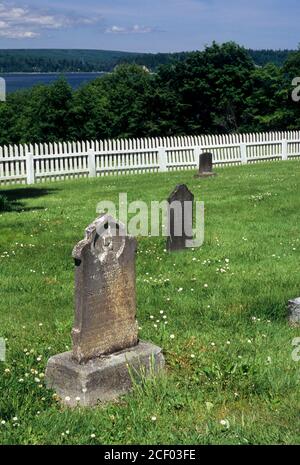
148	25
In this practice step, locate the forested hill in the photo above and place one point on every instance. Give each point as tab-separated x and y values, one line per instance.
263	57
54	60
219	90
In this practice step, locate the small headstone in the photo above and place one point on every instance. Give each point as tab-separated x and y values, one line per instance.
106	350
206	165
294	311
180	218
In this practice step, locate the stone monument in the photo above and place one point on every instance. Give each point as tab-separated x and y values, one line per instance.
106	349
205	165
180	218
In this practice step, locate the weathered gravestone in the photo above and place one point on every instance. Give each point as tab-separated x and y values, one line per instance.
205	165
106	350
180	218
105	315
294	311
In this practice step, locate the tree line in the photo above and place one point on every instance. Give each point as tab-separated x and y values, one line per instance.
62	61
217	90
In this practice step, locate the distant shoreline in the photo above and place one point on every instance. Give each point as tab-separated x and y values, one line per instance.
19	80
54	72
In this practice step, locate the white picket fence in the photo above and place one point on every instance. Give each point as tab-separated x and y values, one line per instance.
29	164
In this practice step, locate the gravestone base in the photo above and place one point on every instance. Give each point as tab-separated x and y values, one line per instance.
204	175
294	311
101	379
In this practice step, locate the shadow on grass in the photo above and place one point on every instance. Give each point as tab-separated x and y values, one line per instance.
10	199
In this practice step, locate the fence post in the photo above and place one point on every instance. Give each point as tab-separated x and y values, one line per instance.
284	149
92	163
197	153
244	159
162	159
30	168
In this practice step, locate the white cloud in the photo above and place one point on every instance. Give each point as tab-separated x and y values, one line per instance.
136	29
20	23
13	34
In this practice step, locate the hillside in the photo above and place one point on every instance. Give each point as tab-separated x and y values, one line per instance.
262	57
60	60
54	60
227	344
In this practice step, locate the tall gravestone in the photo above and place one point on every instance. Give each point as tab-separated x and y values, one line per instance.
205	165
180	218
105	315
105	332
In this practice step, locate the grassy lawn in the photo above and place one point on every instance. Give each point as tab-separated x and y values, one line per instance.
230	377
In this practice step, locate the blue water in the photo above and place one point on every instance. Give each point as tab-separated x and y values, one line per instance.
17	81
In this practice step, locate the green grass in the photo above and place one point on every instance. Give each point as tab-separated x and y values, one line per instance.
252	232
